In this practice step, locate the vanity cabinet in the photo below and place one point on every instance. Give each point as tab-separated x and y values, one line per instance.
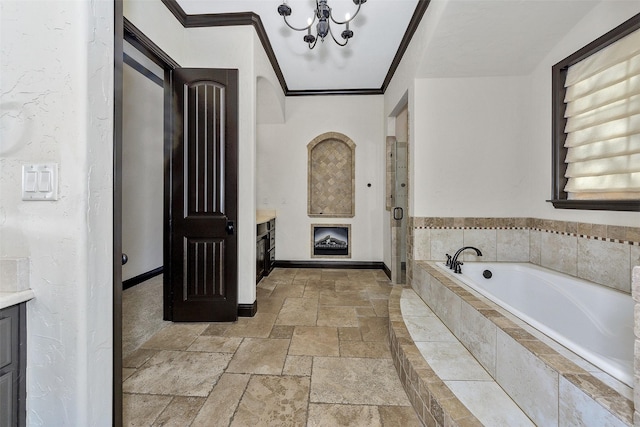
13	341
265	248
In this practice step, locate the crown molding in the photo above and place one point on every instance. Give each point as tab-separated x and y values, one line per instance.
250	18
421	8
144	44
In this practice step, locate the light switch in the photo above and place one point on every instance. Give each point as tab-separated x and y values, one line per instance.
44	185
30	180
40	181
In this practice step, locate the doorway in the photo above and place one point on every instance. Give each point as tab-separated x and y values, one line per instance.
398	149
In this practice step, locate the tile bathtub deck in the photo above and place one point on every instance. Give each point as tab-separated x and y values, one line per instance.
316	353
455	365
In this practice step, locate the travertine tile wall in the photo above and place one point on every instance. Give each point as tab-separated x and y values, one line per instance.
331	176
602	254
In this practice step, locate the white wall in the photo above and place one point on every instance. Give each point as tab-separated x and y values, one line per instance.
56	63
603	18
142	173
469	140
282	171
482	146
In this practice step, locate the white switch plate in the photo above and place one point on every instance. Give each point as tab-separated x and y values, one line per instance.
40	181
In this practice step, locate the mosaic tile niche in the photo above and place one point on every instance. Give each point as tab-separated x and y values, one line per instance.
331	176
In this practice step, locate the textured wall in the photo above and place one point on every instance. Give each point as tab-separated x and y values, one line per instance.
56	62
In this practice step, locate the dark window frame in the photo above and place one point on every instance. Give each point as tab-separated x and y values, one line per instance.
559	152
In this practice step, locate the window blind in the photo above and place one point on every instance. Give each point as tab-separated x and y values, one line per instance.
603	123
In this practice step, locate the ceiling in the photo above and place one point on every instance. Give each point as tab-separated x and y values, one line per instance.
465	38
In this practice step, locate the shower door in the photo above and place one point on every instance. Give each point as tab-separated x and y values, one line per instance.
399	222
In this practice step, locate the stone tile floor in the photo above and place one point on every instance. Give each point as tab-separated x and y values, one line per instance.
315	354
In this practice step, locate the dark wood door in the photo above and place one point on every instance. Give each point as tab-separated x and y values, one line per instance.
201	172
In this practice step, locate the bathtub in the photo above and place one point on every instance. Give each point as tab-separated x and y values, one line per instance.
593	321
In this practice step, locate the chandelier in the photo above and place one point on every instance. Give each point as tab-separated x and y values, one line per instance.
323	27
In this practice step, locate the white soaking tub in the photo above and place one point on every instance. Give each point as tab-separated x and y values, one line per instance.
593	321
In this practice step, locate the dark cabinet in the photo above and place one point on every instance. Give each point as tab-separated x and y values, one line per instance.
265	248
12	365
261	256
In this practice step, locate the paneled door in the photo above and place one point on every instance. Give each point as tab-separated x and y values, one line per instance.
201	205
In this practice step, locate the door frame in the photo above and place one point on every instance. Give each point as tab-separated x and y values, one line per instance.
124	30
118	63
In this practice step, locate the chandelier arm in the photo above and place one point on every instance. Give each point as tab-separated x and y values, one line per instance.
311	46
347	20
336	40
299	29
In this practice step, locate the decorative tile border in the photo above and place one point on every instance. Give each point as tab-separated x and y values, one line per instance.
606	233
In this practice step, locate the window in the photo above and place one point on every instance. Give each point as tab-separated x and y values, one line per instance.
596	123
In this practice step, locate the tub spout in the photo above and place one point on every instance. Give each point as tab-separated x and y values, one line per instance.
455	264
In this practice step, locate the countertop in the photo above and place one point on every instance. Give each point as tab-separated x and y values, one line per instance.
264	216
7	299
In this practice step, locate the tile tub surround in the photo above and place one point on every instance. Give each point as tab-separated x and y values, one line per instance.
602	254
434	403
635	293
563	392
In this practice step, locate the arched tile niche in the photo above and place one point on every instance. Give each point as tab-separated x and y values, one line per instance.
331	176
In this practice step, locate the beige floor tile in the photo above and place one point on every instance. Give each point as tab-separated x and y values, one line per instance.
138	358
258	326
380	307
221	404
352	286
176	336
298	311
288	290
142	409
141	313
356	381
262	293
309	273
325	285
324	415
214	344
318	334
351	299
314	341
366	312
297	365
267	284
374	328
178	373
180	412
371	349
379	292
281	331
337	316
335	274
127	372
259	356
270	304
273	401
349	334
404	416
217	329
283	273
